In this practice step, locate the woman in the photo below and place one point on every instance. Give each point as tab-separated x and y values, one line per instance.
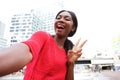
47	57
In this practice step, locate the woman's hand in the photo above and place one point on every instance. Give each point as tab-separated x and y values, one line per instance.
76	52
73	55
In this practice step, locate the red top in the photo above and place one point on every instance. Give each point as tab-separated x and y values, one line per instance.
49	60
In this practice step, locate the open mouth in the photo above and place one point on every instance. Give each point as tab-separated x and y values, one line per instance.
60	27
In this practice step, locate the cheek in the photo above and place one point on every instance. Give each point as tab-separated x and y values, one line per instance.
69	26
73	28
54	25
69	29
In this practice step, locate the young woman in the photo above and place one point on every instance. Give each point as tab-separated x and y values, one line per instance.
47	57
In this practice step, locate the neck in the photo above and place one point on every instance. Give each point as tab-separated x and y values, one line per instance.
60	41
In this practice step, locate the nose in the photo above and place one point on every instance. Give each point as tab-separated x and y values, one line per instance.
61	20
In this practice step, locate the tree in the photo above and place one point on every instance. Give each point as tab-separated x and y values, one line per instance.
116	42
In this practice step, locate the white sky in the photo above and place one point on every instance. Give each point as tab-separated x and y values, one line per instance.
99	20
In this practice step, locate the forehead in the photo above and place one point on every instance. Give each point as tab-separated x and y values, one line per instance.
65	13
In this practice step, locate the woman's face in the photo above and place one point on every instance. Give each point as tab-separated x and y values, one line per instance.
63	24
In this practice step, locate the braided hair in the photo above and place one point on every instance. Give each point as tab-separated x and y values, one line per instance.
68	45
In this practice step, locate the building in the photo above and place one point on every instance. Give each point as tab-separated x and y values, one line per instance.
2	29
24	24
3	42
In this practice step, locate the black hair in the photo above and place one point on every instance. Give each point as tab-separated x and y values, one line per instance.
75	21
68	45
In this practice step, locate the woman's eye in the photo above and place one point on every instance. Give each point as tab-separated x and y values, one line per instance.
67	19
58	18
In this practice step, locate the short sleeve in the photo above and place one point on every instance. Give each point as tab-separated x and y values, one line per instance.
36	42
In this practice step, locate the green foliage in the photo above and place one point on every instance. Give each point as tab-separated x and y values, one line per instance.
116	42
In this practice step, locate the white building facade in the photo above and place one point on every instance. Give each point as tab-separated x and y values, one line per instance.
3	41
23	25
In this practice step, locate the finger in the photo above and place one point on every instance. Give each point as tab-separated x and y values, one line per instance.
82	44
78	51
79	54
77	43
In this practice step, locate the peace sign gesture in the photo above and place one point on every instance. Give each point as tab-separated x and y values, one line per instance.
76	52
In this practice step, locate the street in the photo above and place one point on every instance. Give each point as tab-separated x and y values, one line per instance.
103	75
83	75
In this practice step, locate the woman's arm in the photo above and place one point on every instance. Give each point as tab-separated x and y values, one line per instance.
14	58
70	71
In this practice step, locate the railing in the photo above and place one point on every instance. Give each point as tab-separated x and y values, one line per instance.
11	78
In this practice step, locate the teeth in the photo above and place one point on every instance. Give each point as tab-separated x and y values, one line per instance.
60	27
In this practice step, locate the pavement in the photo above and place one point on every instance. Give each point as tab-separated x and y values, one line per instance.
83	75
112	75
103	75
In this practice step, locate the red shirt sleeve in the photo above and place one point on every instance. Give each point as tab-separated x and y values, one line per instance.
36	42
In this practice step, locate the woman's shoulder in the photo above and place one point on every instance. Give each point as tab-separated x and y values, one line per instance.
41	33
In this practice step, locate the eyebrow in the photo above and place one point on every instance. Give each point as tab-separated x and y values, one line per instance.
64	16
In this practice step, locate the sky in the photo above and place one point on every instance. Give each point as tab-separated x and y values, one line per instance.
99	20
